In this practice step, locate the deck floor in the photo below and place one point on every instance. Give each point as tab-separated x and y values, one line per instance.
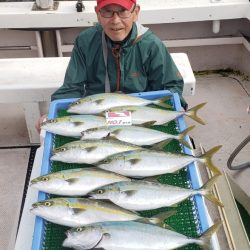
227	124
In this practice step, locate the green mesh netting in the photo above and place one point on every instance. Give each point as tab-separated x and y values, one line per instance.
185	221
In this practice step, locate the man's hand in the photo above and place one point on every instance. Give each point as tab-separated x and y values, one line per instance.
40	121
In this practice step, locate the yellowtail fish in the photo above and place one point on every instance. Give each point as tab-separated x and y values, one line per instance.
89	151
76	212
145	195
73	125
97	103
75	182
144	163
141	115
134	134
131	235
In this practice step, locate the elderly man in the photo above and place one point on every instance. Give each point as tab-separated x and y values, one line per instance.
118	54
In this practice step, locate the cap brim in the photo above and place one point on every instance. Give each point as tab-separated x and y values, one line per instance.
125	4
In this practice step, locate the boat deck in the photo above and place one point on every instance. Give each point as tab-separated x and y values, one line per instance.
227	124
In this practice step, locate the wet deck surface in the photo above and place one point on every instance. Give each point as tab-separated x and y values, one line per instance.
227	124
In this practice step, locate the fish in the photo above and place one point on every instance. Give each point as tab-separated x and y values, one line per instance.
76	212
146	162
97	103
142	115
75	182
73	125
89	151
137	135
132	235
140	195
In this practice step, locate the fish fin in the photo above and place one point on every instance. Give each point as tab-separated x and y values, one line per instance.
161	102
161	145
206	236
192	113
160	218
76	124
99	101
72	180
102	114
115	132
213	199
182	137
164	124
146	124
185	143
90	149
174	205
78	210
129	192
152	178
167	226
134	161
207	188
207	157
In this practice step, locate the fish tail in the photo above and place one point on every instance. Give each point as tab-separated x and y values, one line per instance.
207	158
192	113
182	137
161	102
207	189
205	238
160	218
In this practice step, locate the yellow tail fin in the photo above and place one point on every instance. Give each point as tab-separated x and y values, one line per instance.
207	159
207	189
161	102
159	219
206	236
192	113
182	137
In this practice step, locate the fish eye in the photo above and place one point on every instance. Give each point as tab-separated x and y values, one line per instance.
62	149
79	229
106	161
100	191
48	203
51	120
45	178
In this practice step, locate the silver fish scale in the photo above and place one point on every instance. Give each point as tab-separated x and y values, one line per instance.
129	236
97	103
143	163
143	195
90	151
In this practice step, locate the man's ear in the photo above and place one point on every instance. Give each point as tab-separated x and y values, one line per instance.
136	12
97	14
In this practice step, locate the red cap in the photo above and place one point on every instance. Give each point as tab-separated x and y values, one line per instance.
127	4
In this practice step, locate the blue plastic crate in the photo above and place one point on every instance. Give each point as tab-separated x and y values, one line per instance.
55	106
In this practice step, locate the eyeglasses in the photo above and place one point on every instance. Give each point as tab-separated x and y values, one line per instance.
121	13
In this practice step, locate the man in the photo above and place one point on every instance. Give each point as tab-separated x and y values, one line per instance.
118	54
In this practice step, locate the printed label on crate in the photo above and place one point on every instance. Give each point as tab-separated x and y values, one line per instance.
119	118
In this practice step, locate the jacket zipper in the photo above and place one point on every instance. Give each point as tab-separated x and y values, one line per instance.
116	53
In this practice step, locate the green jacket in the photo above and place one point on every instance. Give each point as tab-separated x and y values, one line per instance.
138	64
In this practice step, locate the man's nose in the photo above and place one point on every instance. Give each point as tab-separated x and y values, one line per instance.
116	17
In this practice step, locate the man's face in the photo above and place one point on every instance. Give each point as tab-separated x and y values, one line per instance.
115	27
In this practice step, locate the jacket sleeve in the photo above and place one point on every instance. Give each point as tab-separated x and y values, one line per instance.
163	73
75	76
